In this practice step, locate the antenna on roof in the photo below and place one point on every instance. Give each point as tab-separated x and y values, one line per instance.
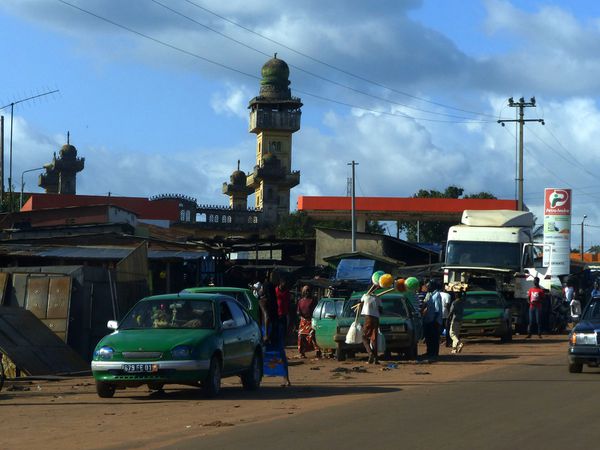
12	109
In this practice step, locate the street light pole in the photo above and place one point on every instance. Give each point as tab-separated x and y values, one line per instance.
23	183
582	221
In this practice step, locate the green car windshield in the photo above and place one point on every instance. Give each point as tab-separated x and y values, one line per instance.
482	301
175	313
392	306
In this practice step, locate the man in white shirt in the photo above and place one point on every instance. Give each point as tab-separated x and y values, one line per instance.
371	310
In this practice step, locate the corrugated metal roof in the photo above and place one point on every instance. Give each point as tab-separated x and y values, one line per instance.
111	253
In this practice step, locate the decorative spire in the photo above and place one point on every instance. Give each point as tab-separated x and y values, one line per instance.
238	164
68	137
275	55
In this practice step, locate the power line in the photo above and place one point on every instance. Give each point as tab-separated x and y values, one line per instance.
224	66
315	75
331	66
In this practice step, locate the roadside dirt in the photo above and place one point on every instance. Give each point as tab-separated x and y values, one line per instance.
68	414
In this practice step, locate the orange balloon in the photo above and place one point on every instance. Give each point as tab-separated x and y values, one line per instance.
400	285
386	281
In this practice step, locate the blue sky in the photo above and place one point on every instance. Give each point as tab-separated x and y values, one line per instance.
426	81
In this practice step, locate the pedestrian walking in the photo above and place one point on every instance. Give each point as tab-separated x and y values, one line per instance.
371	310
432	320
275	359
535	297
456	313
306	333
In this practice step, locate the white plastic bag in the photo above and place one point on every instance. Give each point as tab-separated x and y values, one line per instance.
354	335
380	342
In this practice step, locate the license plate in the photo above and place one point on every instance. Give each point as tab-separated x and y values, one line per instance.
140	368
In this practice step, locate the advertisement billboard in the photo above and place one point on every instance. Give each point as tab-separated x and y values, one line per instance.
557	230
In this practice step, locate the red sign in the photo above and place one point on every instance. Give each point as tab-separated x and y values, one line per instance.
557	202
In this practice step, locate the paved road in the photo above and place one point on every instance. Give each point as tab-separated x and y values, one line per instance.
533	406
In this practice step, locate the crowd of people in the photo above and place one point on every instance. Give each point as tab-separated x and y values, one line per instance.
441	311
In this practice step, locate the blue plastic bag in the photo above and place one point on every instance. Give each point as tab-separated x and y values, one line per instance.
274	364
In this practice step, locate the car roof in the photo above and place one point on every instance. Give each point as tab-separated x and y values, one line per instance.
208	289
186	296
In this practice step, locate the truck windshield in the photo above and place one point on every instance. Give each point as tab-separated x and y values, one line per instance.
484	254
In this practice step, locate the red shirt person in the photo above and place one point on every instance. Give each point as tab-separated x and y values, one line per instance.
535	297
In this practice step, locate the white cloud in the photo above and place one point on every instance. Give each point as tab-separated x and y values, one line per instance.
232	102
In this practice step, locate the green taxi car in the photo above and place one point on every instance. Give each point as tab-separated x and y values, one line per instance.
189	339
486	313
242	295
400	324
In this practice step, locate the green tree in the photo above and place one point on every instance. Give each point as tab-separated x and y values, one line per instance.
299	225
436	231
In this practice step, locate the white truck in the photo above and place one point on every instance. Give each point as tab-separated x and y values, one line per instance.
494	250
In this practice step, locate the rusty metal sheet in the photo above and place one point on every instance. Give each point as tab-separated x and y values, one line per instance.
59	298
37	296
19	282
33	347
3	283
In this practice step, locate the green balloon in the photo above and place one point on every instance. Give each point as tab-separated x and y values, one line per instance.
412	283
376	276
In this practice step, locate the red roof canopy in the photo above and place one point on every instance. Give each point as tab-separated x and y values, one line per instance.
398	208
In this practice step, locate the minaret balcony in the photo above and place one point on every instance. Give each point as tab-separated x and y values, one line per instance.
264	119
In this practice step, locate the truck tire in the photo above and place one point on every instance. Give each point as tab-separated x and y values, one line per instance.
507	337
412	351
340	353
575	367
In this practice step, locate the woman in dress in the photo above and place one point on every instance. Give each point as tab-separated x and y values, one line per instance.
306	333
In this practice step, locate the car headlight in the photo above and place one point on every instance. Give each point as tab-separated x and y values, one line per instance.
583	339
343	330
181	352
104	353
398	328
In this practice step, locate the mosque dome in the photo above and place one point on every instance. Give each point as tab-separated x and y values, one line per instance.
68	151
275	79
238	178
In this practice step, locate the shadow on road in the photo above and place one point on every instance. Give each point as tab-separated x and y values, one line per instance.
264	393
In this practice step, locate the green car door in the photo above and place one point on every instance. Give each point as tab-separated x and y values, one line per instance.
325	321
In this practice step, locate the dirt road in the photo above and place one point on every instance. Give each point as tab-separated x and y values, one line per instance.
68	414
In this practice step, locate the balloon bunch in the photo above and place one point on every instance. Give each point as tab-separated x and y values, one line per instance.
386	281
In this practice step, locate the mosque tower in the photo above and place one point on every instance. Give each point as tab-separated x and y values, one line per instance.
60	176
237	190
274	117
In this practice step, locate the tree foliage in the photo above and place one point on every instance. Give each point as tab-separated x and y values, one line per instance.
299	225
436	232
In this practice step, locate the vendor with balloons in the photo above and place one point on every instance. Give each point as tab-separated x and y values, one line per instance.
371	311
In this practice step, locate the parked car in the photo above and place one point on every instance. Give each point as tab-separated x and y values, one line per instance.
245	296
190	339
584	339
400	323
486	314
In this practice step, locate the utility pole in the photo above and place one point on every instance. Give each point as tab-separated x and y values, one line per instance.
521	104
581	248
353	164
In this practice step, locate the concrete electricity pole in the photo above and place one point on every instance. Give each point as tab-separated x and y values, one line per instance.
521	104
353	164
